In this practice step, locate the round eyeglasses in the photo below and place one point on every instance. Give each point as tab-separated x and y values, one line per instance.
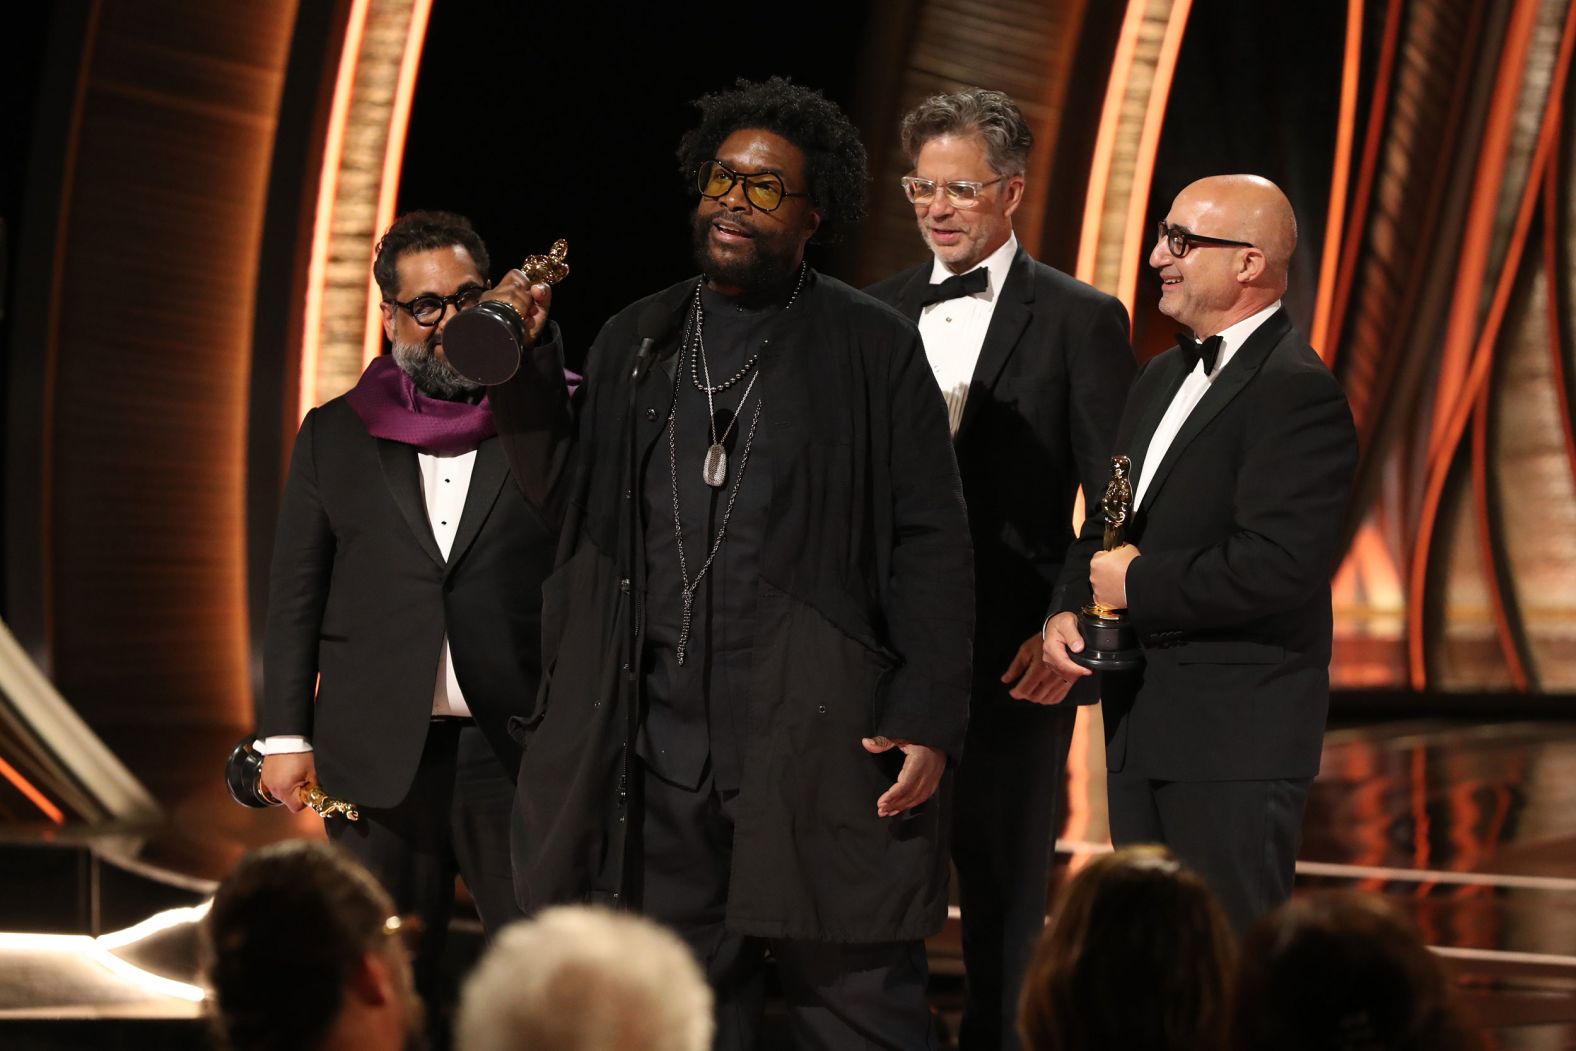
1180	240
428	310
764	190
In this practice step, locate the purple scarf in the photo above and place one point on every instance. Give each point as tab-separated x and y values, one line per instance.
391	407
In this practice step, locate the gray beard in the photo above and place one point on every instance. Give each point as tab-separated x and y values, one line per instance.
432	375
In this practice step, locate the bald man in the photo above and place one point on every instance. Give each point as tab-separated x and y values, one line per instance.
1243	451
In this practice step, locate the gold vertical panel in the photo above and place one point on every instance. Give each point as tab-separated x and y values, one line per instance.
1536	497
1115	231
356	191
1465	656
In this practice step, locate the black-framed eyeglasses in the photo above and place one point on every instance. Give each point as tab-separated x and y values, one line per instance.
428	310
963	193
1180	240
764	190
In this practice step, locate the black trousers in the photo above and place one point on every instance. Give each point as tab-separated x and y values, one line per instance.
454	819
1242	837
1003	843
838	996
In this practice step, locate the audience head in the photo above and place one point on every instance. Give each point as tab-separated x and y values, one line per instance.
302	953
1343	971
1137	955
576	978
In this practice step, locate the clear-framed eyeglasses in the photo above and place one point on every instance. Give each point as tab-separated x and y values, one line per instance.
962	193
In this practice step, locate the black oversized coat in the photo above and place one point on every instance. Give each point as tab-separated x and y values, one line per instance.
863	624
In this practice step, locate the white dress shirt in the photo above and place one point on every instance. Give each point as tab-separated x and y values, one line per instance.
1192	391
445	480
954	329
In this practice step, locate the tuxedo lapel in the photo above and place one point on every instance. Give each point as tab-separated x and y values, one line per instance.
1236	373
908	297
1136	433
487	477
1014	308
404	482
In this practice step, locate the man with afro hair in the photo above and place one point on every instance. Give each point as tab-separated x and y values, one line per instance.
755	694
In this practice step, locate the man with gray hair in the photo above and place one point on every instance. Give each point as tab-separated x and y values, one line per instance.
1034	366
580	978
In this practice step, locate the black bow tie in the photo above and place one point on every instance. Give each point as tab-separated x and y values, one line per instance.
1194	352
956	286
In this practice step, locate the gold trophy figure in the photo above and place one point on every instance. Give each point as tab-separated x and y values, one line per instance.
1110	643
485	344
243	776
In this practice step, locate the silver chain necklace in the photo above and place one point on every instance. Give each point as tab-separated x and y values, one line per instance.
716	462
727	513
714	468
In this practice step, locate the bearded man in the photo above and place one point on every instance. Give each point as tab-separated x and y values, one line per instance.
405	598
758	681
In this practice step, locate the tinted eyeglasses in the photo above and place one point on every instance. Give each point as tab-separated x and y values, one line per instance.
1180	240
764	190
428	310
963	193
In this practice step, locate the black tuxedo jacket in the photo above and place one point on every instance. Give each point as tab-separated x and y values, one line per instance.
1238	530
360	597
1040	419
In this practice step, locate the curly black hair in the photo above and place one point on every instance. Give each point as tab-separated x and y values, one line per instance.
835	159
422	231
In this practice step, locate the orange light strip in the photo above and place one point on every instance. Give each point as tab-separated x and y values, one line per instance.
1461	331
327	195
1340	179
1457	405
1136	234
394	161
1346	270
37	798
1105	143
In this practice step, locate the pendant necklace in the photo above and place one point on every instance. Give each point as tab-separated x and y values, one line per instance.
714	468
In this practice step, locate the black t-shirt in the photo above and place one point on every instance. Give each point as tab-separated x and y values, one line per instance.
698	710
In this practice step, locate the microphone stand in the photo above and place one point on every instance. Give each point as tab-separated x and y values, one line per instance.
629	666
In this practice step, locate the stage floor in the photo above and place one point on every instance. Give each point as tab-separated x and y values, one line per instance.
1468	825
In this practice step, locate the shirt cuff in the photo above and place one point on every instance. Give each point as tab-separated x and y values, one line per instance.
283	744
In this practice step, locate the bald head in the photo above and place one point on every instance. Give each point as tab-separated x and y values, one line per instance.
1216	284
1257	211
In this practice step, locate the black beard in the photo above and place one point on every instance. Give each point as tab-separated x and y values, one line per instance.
760	275
433	376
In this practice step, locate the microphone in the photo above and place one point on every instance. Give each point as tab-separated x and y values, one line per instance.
655	324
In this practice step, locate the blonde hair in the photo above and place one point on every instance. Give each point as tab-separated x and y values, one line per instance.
578	978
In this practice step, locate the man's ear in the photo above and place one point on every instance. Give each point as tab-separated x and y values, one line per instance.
387	310
372	982
1012	194
1252	266
813	221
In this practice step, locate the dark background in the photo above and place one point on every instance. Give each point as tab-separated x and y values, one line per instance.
541	122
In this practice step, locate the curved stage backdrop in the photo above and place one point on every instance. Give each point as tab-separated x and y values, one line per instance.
191	223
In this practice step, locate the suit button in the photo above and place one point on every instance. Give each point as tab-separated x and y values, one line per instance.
821	708
651	414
